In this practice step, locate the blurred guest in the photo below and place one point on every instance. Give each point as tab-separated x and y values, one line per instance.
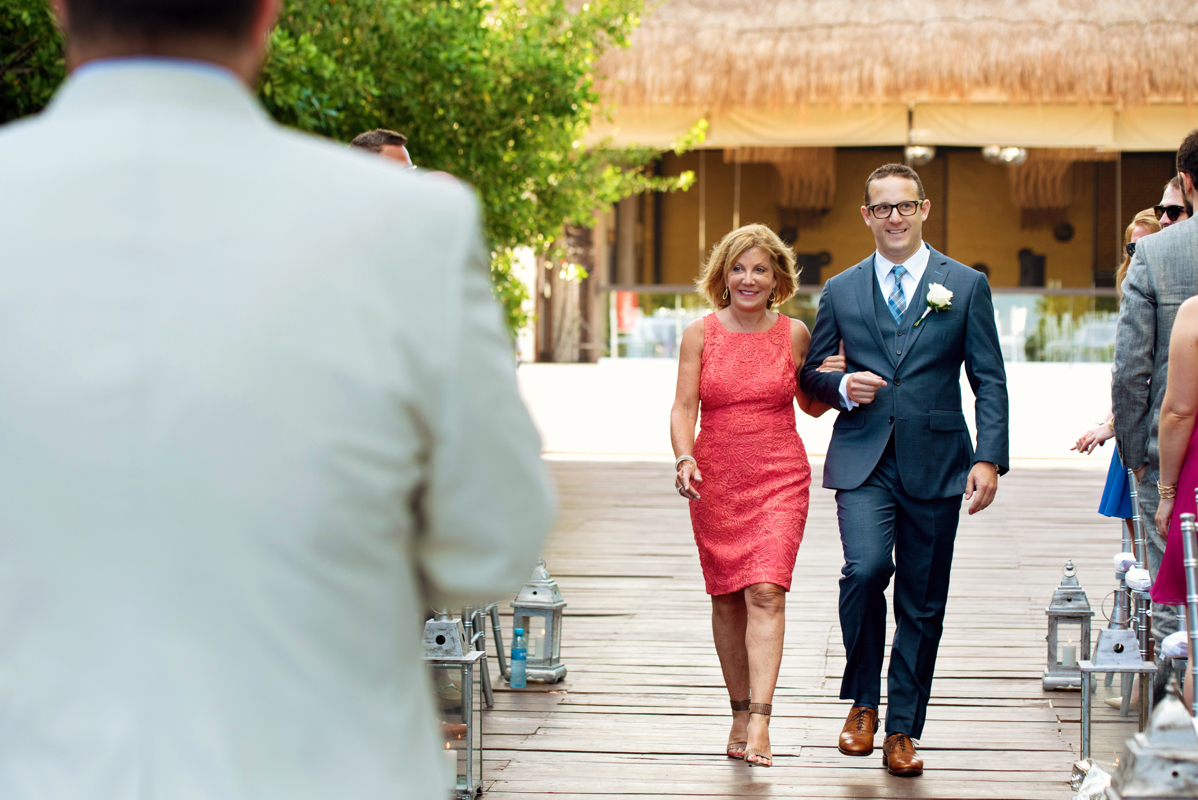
1116	494
1179	459
387	144
1162	274
1175	206
250	429
1116	501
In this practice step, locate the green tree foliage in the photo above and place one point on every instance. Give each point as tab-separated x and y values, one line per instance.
497	92
31	65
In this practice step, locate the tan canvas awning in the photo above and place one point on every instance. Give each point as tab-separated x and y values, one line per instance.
1145	128
814	126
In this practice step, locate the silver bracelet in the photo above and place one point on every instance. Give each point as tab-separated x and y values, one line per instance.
680	459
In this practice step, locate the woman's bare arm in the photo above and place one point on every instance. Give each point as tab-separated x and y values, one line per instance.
685	412
800	340
1180	405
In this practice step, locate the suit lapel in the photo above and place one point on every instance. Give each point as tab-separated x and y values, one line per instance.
864	286
936	271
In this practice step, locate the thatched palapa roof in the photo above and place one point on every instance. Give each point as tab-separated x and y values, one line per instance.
775	53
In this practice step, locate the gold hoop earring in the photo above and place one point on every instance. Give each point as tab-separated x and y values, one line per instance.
725	293
773	293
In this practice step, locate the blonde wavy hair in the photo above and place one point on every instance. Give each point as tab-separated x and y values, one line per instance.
1145	219
713	280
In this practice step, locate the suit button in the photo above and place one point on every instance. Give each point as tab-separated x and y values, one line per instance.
897	382
898	352
892	420
900	333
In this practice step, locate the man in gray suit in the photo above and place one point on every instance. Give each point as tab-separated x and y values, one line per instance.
1163	273
900	456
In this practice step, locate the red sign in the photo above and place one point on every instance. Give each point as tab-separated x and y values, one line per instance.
626	306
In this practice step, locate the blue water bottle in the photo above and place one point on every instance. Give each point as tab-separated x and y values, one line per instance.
519	678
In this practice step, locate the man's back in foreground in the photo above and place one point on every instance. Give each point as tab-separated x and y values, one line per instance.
258	411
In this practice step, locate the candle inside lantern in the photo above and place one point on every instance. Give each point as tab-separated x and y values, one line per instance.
1069	655
450	765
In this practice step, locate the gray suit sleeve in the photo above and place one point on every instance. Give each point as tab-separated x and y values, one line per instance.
1135	340
988	379
487	505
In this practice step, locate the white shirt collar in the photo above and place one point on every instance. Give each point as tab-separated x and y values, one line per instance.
915	266
194	66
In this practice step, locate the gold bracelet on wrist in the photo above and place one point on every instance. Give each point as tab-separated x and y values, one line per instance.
1166	492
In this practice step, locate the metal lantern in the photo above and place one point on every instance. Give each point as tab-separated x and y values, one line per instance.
458	682
1069	616
538	610
1161	762
1117	651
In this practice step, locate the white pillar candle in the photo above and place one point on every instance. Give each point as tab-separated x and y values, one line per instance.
1068	655
449	761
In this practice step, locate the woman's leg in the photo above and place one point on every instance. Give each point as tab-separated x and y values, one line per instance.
766	607
728	620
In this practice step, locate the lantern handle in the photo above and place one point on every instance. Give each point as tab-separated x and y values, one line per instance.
1069	571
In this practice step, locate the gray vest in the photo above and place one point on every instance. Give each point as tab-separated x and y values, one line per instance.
894	334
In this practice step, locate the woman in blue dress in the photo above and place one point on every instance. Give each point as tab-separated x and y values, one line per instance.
1116	495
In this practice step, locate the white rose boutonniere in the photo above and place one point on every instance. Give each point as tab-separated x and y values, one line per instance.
939	299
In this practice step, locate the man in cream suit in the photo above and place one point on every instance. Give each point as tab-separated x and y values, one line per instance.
258	411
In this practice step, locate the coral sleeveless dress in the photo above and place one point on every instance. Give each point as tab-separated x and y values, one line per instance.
1169	588
749	520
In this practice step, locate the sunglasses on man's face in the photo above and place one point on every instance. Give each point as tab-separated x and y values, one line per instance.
1173	211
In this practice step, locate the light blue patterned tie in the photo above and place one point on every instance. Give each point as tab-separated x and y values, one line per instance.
897	300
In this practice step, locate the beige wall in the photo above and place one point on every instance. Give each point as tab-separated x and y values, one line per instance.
982	224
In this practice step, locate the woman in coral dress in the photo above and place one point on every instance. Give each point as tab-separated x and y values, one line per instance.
746	475
1179	462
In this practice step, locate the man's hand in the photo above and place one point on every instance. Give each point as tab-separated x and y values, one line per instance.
981	486
862	386
1164	515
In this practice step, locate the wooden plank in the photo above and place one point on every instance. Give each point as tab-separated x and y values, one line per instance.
643	711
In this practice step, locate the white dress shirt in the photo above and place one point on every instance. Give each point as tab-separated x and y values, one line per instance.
883	268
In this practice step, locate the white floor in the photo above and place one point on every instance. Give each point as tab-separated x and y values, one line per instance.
621	409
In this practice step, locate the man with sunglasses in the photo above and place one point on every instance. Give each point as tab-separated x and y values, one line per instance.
901	458
1174	207
1163	273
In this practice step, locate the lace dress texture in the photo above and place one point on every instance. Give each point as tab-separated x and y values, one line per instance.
755	492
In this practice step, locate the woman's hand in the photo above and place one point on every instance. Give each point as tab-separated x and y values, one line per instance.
1093	438
1164	515
688	475
836	363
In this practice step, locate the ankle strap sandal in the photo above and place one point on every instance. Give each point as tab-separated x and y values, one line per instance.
737	749
760	758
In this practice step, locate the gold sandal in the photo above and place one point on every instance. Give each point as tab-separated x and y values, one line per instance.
766	759
738	705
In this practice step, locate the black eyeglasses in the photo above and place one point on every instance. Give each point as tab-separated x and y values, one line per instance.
1130	247
1173	211
883	210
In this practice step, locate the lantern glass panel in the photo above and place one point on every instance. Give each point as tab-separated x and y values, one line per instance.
459	707
534	625
1069	642
1109	730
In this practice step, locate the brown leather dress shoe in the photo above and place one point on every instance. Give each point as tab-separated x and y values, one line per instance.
899	756
857	735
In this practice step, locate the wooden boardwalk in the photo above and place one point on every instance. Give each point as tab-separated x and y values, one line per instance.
644	712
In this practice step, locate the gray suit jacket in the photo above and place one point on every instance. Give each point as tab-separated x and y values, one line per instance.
1163	274
921	402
